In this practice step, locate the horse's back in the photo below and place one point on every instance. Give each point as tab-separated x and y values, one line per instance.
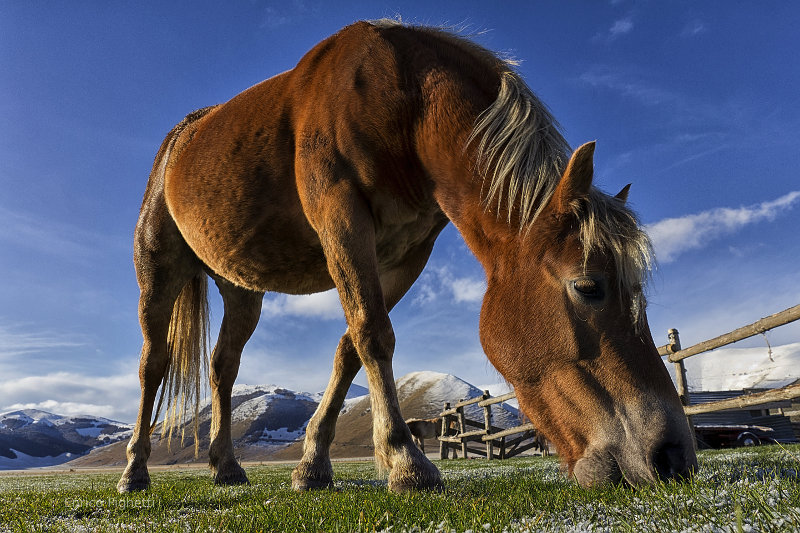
246	182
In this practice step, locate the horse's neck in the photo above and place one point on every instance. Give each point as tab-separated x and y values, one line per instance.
451	164
459	194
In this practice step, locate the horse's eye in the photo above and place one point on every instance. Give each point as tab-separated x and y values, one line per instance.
589	288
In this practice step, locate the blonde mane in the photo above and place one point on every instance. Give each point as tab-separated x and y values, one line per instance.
520	152
521	155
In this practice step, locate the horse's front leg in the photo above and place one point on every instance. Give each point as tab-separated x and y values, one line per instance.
242	311
345	226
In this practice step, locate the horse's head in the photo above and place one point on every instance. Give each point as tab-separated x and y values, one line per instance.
563	320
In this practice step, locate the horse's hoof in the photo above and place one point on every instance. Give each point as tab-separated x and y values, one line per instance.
305	484
305	478
405	481
134	478
130	485
232	475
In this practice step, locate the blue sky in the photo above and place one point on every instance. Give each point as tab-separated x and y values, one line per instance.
695	103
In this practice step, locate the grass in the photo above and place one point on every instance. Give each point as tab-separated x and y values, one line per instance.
739	490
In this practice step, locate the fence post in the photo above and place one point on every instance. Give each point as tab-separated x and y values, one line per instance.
680	379
444	447
487	423
462	425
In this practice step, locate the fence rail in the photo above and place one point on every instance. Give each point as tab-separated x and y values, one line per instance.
756	328
489	435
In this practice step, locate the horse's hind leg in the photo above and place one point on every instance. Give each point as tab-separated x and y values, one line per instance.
314	471
164	265
242	311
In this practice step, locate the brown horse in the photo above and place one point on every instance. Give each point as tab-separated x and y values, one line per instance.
422	429
341	173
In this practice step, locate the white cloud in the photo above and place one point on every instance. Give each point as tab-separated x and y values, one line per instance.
69	393
468	289
440	282
674	236
324	305
621	27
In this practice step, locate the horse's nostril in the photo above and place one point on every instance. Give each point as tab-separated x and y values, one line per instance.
670	462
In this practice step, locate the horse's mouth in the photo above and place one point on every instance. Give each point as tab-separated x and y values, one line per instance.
666	462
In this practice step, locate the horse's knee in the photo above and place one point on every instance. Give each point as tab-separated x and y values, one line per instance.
373	338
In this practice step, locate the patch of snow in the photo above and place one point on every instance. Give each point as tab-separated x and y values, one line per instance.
36	416
283	434
743	368
24	461
440	387
93	432
262	396
250	409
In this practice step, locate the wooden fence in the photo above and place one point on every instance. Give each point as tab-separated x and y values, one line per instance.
675	354
458	431
455	434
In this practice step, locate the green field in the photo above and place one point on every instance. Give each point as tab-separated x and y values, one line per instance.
740	490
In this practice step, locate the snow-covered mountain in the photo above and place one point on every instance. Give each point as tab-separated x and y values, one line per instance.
268	422
33	438
421	395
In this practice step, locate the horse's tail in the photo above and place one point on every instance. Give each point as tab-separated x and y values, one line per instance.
187	336
187	347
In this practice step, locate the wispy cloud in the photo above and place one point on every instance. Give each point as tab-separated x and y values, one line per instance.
324	305
674	236
619	28
611	79
14	341
52	238
440	282
694	27
468	289
286	13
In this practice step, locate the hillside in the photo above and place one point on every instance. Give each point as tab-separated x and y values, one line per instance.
263	419
32	438
269	422
421	395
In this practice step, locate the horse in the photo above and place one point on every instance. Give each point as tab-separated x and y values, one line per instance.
422	429
342	172
540	443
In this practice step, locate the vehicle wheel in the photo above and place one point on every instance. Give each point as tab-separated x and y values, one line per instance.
747	439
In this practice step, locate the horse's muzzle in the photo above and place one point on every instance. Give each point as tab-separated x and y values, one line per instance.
636	465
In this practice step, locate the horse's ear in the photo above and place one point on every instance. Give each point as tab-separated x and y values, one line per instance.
577	179
622	195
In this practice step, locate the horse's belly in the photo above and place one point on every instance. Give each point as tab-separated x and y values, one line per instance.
285	255
266	257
